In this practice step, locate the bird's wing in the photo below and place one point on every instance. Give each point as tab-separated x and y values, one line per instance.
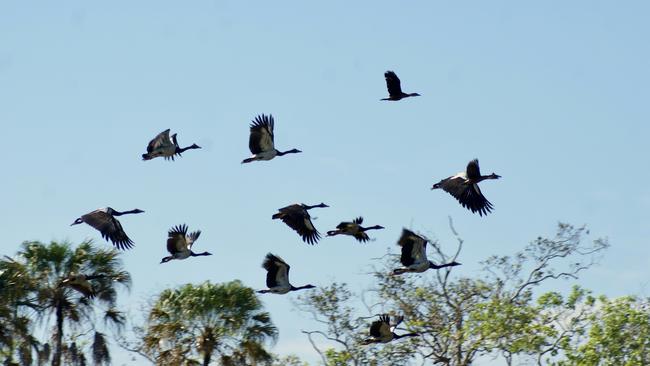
160	140
261	135
455	186
343	225
474	200
412	248
375	328
473	171
300	221
176	241
191	238
468	195
381	327
358	220
277	271
361	236
109	227
393	83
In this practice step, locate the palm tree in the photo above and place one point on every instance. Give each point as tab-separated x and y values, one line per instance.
49	266
193	325
16	337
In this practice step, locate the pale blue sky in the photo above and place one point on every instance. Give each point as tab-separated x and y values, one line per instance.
551	95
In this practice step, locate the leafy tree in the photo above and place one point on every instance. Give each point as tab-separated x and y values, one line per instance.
194	325
459	318
45	266
616	332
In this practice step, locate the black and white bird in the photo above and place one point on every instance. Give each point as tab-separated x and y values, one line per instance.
277	276
165	146
414	254
297	218
464	187
104	220
81	283
261	141
179	244
354	228
381	331
394	87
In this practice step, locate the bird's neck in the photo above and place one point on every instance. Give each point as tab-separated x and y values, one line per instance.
198	254
293	288
118	213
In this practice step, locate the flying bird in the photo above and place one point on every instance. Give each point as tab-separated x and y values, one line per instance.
394	87
277	276
165	146
179	244
414	254
261	140
81	283
104	220
297	218
464	187
381	331
354	228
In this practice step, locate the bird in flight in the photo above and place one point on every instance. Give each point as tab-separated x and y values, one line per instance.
394	87
104	220
354	228
261	141
165	146
464	187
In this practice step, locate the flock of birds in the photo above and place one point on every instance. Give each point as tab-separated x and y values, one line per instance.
462	186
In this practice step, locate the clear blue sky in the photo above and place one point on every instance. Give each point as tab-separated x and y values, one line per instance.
551	95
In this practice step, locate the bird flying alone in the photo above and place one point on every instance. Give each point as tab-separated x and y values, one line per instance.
277	276
414	254
261	141
104	220
297	218
381	331
394	87
179	244
354	228
165	146
464	187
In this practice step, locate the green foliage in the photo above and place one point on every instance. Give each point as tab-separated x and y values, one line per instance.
462	318
618	334
195	324
32	285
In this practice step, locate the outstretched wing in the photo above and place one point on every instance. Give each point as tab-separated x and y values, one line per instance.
109	227
277	271
473	171
176	241
413	248
393	84
191	238
302	224
469	195
261	135
161	139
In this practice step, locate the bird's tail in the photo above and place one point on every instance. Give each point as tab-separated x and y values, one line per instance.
399	271
263	291
247	160
333	232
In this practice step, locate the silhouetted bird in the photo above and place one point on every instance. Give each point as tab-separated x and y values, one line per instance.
394	87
